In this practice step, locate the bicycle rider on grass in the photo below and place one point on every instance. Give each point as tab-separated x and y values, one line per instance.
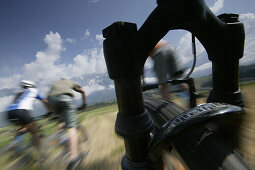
19	112
166	67
61	100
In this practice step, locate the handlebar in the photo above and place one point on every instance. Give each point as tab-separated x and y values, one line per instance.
173	82
189	81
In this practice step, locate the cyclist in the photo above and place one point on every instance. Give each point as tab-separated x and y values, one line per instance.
165	66
19	111
61	99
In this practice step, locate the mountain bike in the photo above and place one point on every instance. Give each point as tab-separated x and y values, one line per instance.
151	126
19	153
56	145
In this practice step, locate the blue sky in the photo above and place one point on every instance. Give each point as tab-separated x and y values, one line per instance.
43	40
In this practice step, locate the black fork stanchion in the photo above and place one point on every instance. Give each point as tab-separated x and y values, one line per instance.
133	123
225	67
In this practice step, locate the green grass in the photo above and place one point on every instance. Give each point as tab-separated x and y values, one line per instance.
247	83
97	111
49	127
7	133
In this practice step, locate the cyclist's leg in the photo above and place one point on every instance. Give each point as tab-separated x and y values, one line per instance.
64	106
21	130
23	118
161	70
33	130
72	136
70	121
69	114
164	91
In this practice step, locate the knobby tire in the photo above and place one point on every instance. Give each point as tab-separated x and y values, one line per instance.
211	153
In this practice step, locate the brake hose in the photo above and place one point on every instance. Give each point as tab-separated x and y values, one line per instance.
194	55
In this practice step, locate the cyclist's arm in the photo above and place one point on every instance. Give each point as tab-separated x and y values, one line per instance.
81	90
46	104
44	101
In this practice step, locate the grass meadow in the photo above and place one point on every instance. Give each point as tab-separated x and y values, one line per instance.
107	149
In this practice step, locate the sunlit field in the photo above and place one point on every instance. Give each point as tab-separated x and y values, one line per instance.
107	149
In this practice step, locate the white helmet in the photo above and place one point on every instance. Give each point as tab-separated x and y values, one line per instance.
27	83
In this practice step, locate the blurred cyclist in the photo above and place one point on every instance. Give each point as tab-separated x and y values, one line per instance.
19	112
165	66
61	99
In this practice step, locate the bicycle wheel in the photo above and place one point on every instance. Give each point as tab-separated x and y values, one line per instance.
83	141
56	148
17	155
198	149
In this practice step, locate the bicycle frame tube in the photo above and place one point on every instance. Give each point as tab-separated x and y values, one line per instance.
126	50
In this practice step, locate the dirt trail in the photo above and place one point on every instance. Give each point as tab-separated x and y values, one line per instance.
107	148
248	127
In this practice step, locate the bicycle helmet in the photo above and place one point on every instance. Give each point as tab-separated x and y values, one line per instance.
27	84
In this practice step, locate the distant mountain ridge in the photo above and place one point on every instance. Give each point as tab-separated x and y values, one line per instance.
8	92
247	73
101	79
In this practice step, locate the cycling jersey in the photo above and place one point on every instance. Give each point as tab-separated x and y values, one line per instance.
25	100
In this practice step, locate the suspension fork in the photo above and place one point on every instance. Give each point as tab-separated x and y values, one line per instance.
133	122
126	49
225	67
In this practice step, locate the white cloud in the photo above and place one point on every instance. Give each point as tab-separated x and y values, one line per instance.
92	61
5	101
202	70
184	49
44	67
248	20
111	86
94	1
10	82
87	33
203	67
249	23
93	87
100	38
54	42
218	5
70	40
48	66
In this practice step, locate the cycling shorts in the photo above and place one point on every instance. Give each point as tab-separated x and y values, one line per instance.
20	117
165	64
63	105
